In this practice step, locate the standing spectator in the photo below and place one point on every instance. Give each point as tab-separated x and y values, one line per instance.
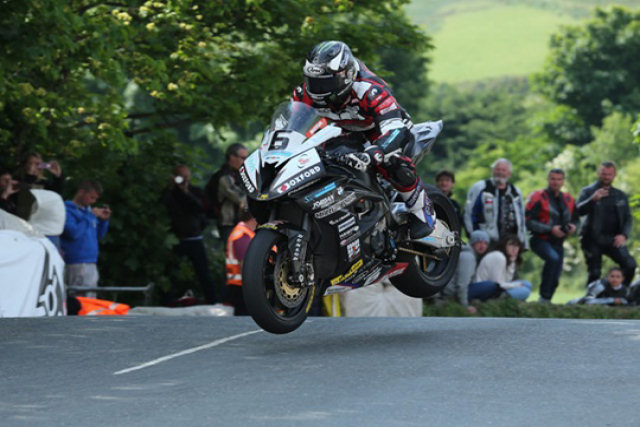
84	227
606	224
445	181
236	249
8	187
496	206
458	287
497	271
32	175
225	193
188	221
551	217
609	290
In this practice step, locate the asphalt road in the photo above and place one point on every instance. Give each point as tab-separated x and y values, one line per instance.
143	370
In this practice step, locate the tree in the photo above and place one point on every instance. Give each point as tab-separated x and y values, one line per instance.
593	68
112	89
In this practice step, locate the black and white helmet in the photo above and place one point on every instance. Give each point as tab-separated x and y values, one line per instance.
329	72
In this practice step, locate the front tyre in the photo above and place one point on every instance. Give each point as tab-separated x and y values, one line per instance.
274	304
427	275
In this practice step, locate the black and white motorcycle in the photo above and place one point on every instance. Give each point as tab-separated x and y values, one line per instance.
327	228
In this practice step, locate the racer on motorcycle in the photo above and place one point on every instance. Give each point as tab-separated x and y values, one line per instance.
341	88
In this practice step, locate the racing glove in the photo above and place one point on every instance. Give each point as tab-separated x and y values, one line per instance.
362	161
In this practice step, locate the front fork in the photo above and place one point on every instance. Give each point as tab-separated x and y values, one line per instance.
300	271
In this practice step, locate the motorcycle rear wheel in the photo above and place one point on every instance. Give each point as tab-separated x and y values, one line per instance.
274	304
426	276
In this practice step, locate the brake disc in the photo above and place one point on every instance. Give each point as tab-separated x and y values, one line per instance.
289	295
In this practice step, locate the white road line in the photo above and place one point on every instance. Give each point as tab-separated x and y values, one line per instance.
185	352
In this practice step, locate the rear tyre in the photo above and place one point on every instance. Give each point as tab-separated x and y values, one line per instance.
426	276
274	304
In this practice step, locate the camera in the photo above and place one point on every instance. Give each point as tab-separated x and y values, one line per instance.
44	165
565	228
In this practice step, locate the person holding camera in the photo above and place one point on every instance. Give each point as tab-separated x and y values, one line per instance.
606	225
184	203
551	217
85	225
32	175
8	187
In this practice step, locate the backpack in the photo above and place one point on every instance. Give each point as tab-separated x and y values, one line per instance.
212	206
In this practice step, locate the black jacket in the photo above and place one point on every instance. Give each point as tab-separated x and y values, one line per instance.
592	225
186	211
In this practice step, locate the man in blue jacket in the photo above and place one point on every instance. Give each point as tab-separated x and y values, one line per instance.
84	227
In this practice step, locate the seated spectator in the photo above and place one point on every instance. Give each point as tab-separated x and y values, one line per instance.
236	249
84	227
31	175
497	271
609	290
458	287
8	187
445	181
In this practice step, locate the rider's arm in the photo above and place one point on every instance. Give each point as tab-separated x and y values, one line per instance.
390	118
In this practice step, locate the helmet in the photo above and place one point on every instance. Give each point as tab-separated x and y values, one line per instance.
329	72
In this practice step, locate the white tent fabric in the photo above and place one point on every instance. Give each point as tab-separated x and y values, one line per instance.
31	276
380	300
49	214
12	222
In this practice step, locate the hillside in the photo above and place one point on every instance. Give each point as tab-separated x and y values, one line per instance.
476	40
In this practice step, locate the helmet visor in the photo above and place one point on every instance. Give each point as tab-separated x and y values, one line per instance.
325	85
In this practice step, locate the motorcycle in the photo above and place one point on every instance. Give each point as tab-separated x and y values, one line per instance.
327	228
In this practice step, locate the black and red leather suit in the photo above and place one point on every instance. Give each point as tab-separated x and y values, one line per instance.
371	113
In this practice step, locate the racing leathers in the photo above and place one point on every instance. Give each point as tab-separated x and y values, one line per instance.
371	114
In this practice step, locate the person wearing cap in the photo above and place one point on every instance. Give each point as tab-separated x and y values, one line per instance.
470	255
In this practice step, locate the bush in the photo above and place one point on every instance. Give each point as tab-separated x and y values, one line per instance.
507	307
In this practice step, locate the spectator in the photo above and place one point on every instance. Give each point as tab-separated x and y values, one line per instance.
458	287
609	290
606	224
31	175
84	227
188	221
445	180
236	249
496	206
225	192
8	187
551	217
497	271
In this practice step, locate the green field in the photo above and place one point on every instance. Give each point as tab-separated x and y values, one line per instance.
476	40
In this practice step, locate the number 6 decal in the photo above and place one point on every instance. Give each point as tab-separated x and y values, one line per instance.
280	140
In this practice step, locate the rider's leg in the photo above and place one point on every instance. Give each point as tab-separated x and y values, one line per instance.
401	173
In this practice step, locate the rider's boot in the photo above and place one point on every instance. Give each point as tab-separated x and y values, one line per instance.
422	220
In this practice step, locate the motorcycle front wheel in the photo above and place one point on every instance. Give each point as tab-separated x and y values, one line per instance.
273	303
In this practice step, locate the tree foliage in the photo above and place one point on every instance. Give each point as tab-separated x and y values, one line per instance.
118	91
593	68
